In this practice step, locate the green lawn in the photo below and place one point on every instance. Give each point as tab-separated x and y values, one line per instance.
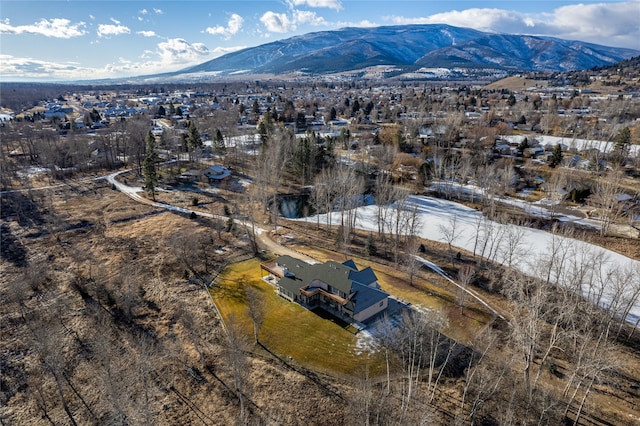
289	330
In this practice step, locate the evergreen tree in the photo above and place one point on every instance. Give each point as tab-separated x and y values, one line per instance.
355	108
622	145
149	166
556	156
194	141
332	114
219	145
265	127
370	246
262	131
522	146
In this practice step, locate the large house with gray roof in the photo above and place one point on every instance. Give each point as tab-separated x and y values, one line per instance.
341	289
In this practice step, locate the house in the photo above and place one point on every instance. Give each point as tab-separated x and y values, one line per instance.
213	174
341	289
190	176
217	173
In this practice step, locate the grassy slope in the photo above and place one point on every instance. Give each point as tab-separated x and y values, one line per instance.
289	330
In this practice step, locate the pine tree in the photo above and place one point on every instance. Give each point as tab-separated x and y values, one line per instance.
220	148
149	166
556	156
522	146
193	139
621	146
370	246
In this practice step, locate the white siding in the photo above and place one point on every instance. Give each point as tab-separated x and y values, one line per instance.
371	310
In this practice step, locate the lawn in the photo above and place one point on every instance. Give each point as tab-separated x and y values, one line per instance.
436	295
289	330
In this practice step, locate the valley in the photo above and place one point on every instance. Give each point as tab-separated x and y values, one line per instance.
502	220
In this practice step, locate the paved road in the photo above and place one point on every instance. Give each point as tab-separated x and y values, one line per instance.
262	235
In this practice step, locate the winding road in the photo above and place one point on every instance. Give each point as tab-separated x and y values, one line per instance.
262	235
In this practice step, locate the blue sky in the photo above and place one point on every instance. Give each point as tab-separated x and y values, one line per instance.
71	40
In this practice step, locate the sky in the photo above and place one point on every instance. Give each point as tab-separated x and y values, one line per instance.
77	40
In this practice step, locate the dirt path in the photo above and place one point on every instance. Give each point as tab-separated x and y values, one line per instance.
262	235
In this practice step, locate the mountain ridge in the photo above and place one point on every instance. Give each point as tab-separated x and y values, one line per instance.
410	47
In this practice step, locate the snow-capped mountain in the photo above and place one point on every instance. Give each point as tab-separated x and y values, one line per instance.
408	48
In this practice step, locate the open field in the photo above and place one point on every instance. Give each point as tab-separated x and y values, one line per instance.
289	330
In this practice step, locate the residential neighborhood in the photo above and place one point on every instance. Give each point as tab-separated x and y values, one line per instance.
404	249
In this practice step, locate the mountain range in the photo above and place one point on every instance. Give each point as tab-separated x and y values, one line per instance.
408	49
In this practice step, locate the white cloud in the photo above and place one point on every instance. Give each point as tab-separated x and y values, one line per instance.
306	17
330	4
15	68
219	51
492	20
233	27
363	24
179	51
158	11
56	27
597	22
277	22
92	17
283	23
106	30
144	12
169	55
612	24
115	21
147	33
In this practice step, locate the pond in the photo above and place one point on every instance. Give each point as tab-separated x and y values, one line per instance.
296	206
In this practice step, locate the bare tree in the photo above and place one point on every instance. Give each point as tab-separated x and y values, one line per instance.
530	299
466	274
385	194
47	339
606	199
450	234
412	262
512	251
256	308
237	361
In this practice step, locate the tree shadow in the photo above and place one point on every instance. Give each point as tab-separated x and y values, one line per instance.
12	249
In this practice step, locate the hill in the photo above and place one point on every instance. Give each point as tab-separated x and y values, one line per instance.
409	48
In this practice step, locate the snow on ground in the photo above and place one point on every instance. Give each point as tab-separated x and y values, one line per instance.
572	143
536	209
528	250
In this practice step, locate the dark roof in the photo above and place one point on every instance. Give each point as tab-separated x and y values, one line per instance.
366	276
355	284
296	271
366	296
350	264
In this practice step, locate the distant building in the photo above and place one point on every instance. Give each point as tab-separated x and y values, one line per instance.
217	173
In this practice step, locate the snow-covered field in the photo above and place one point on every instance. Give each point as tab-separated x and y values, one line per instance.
535	209
572	144
605	277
